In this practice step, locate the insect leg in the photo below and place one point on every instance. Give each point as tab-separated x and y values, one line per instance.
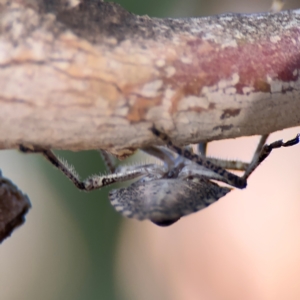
91	183
227	176
202	147
68	170
161	153
265	151
224	163
230	164
108	161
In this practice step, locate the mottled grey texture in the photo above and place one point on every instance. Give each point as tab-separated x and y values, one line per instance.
164	201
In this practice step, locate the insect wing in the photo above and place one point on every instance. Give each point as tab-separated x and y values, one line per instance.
164	201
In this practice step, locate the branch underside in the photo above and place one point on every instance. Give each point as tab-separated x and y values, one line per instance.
94	76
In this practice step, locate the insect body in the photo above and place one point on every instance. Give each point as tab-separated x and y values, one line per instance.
165	201
165	193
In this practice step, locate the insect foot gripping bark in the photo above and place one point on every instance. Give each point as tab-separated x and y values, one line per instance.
163	193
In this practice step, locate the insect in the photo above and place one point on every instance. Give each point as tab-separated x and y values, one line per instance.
163	193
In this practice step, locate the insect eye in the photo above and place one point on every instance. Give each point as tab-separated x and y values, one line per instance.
165	222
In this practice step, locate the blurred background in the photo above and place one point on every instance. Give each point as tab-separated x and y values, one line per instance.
75	246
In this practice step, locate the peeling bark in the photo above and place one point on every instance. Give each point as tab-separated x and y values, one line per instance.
92	75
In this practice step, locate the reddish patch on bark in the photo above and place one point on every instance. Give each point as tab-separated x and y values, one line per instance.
254	63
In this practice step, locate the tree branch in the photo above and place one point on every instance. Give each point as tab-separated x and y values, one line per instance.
93	75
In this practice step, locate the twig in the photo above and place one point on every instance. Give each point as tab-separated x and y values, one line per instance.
95	76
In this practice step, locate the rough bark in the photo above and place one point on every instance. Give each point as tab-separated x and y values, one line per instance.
14	205
92	75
